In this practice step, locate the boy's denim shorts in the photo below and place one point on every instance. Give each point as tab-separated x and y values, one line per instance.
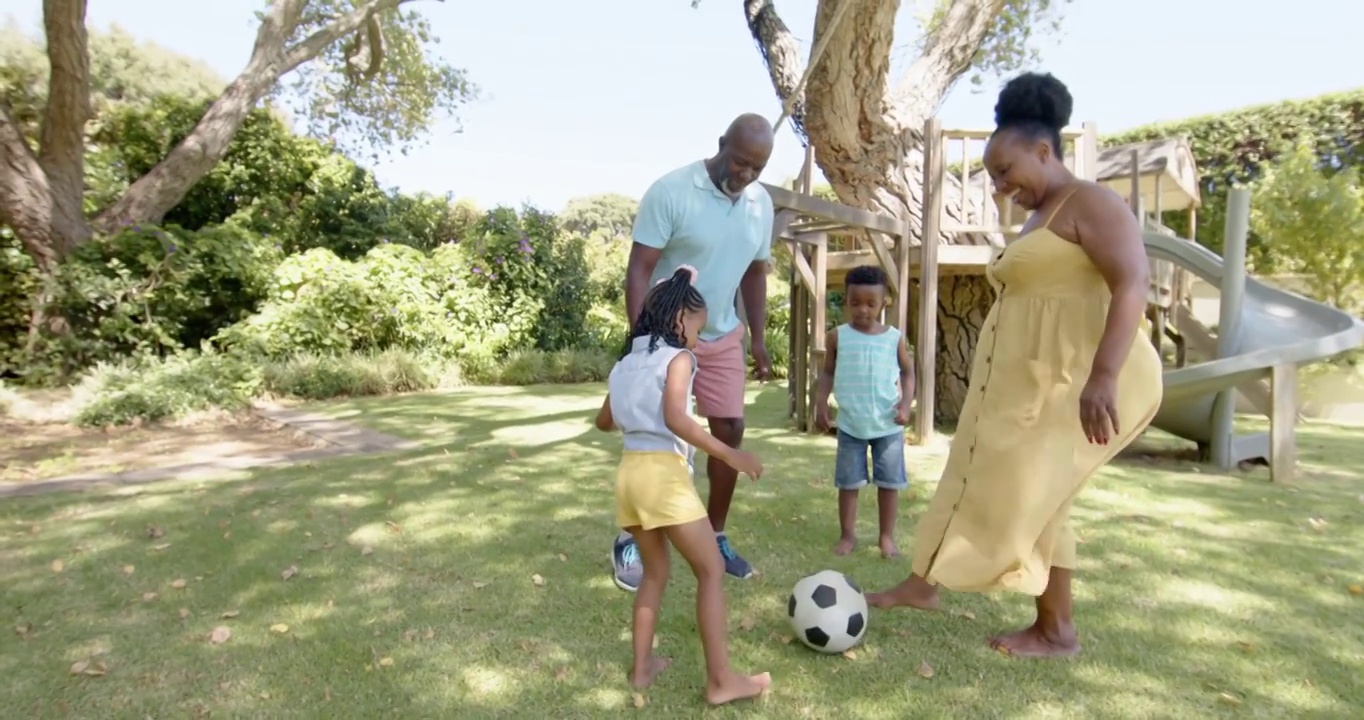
887	462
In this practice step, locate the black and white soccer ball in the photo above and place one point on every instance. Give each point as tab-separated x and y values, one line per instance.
828	612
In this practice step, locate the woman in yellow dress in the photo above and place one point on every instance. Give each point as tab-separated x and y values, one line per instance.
1061	381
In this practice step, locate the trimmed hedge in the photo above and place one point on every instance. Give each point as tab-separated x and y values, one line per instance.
1233	147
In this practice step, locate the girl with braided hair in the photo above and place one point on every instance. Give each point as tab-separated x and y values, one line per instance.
649	399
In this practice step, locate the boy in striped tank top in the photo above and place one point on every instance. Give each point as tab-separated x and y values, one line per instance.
868	368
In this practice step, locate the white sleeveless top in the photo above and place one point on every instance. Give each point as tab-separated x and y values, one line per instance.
636	386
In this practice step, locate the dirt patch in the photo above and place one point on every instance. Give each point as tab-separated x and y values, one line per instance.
32	451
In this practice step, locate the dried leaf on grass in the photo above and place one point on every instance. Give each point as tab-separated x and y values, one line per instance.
925	670
219	635
289	572
85	667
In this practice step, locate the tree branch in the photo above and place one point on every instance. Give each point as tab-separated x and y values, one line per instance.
154	194
950	48
781	54
313	45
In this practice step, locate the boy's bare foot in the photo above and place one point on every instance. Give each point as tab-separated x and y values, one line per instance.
1039	642
733	686
888	547
914	592
845	545
643	677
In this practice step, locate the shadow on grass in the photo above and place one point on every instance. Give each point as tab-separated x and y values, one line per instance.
416	592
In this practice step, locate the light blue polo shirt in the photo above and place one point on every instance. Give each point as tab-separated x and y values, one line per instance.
693	223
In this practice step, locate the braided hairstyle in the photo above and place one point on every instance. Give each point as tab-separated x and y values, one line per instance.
663	304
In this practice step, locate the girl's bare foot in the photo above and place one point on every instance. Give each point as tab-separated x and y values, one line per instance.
643	676
845	545
914	592
888	547
733	686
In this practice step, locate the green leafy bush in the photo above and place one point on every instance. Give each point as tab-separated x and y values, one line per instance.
319	377
149	291
1234	147
1314	224
18	284
319	303
535	367
159	389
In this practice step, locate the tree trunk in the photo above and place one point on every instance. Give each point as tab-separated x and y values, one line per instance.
40	194
963	302
869	140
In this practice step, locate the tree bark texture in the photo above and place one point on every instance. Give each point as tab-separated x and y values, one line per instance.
41	193
868	138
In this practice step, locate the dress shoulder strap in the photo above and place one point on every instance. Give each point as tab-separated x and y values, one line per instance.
1059	205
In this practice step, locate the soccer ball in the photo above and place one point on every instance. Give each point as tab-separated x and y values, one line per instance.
828	612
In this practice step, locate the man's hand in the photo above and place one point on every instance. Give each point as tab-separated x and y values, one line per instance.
761	360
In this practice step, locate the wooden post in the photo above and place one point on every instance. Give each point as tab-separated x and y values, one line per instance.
902	273
1283	447
797	372
926	346
819	314
1090	143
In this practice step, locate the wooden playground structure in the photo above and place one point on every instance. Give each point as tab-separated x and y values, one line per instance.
969	226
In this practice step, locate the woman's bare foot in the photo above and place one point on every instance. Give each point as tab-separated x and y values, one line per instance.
642	677
888	547
914	592
733	686
1039	642
845	545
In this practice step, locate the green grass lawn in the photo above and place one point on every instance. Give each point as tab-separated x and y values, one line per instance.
469	579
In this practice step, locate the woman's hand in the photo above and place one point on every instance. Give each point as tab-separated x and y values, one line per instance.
1099	408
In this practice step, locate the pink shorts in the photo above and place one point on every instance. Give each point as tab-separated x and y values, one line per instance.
721	372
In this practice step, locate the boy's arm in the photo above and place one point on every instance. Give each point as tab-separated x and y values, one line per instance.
906	376
605	421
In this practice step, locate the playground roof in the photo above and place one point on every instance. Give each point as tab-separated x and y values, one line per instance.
1167	162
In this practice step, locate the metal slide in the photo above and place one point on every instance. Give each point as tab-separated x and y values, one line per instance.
1277	327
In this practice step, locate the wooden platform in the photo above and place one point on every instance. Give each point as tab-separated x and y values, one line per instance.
952	260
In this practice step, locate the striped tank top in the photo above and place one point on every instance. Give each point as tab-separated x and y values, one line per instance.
866	381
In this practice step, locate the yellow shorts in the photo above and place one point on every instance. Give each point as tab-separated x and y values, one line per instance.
654	490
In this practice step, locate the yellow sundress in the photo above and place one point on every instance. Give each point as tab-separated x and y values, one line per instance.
999	517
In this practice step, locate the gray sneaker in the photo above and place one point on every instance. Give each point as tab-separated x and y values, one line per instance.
734	564
628	565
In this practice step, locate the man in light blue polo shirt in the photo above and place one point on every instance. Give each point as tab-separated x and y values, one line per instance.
713	215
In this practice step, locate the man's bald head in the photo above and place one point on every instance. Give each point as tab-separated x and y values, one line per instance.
750	127
744	150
